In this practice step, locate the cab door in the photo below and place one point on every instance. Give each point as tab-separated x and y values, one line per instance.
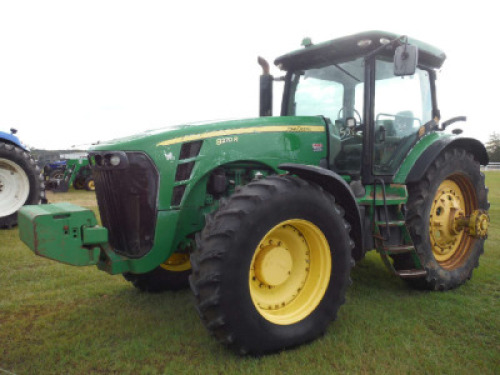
400	106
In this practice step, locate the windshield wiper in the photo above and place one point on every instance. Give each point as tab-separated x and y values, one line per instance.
346	72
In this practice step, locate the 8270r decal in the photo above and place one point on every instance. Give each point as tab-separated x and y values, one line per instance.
220	141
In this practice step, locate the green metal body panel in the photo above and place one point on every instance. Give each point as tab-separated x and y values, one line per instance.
415	153
63	232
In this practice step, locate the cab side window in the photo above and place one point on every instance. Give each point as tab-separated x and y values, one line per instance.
402	106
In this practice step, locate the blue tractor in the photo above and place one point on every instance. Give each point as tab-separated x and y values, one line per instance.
20	179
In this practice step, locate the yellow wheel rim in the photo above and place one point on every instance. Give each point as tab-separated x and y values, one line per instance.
290	272
91	185
455	199
177	262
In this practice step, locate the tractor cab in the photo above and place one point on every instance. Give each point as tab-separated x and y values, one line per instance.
376	92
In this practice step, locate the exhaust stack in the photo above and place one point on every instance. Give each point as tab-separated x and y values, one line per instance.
266	89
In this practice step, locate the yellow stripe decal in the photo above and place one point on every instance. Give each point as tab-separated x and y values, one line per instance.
258	129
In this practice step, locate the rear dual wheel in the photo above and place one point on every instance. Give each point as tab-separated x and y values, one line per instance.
272	266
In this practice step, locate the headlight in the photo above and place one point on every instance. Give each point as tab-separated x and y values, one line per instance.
114	160
108	160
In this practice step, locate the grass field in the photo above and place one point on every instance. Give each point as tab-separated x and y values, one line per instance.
57	319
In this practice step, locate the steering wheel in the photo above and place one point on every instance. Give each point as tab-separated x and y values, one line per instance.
353	109
345	132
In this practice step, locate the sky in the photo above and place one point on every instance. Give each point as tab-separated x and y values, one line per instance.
76	72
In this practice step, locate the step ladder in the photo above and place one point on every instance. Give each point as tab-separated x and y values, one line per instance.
382	234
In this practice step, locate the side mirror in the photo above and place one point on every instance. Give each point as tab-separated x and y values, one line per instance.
405	60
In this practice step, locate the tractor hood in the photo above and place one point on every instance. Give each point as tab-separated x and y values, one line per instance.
182	159
211	129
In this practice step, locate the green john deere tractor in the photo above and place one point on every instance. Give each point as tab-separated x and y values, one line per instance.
265	217
75	172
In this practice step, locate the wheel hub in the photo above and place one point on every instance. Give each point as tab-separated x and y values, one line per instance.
479	223
273	264
446	214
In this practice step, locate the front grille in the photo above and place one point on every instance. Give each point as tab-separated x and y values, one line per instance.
184	171
127	198
177	195
185	167
190	149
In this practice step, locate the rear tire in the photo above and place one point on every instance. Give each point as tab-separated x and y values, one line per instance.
79	184
20	183
449	259
272	267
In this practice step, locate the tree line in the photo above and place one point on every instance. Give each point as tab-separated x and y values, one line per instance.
493	147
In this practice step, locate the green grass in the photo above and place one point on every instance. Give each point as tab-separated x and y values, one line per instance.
57	319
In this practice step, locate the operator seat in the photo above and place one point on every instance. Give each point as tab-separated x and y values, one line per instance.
403	123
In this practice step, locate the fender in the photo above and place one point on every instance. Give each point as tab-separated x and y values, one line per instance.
335	185
471	145
11	138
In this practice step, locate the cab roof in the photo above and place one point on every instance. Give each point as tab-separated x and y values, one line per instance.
348	48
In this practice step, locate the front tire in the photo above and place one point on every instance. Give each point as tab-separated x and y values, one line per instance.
20	183
173	274
56	174
453	184
272	267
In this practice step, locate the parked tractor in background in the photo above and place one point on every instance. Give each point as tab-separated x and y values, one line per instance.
61	175
54	169
266	217
20	180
